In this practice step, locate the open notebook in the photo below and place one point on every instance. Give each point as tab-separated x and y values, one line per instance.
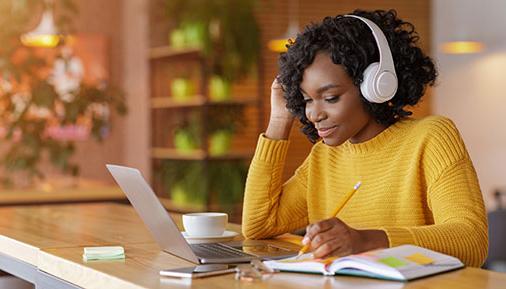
401	263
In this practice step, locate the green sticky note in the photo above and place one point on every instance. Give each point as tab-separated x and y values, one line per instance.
392	262
103	253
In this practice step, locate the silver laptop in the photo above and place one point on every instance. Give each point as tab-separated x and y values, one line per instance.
165	231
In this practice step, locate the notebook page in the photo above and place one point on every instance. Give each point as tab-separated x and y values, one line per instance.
305	263
413	261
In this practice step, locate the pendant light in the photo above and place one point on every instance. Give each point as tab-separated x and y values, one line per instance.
279	44
459	21
46	33
462	47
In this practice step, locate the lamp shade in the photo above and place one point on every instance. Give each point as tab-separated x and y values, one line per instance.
45	34
460	31
279	44
462	47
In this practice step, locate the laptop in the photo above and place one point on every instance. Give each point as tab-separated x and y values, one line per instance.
166	232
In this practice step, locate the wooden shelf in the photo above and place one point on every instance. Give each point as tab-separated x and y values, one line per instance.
171	153
196	101
167	113
174	154
168	102
167	51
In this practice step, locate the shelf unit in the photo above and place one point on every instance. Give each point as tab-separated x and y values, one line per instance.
195	101
167	63
198	154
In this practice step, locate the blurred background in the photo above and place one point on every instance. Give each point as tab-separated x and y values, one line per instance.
180	90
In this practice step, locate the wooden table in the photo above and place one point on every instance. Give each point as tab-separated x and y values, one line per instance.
43	245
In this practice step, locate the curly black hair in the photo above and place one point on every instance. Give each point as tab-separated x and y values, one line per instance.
351	43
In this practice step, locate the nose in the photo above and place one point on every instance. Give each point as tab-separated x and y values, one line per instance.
315	114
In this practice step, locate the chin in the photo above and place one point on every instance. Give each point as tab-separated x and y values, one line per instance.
333	142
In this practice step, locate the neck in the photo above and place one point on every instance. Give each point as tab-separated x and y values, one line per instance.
369	131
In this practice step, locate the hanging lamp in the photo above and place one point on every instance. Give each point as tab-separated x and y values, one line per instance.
462	47
45	34
279	44
464	39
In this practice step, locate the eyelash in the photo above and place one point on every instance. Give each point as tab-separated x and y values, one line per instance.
332	99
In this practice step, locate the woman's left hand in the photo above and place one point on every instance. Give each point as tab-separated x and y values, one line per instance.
332	237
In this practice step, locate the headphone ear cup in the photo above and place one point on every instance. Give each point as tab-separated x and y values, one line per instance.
385	82
367	85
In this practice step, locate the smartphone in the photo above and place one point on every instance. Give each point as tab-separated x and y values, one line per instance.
199	271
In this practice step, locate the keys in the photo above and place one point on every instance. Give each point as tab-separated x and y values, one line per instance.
216	250
254	271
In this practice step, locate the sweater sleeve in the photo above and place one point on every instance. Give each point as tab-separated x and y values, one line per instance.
460	224
271	207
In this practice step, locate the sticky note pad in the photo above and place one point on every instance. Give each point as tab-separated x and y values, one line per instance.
392	262
103	253
420	259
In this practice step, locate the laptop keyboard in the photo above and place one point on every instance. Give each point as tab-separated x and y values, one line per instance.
217	250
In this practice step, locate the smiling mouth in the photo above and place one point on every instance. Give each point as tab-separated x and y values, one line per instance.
324	132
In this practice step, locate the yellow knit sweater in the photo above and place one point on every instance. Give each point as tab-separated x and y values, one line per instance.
418	185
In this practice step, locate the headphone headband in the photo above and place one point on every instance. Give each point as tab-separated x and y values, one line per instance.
386	61
379	79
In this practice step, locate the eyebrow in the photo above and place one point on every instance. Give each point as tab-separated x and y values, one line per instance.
322	89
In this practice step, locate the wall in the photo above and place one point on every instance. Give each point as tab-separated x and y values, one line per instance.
470	89
104	17
136	135
124	23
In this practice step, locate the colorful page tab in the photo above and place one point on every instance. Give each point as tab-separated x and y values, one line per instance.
392	262
420	259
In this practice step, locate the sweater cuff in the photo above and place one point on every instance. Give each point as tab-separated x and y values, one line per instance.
399	236
270	150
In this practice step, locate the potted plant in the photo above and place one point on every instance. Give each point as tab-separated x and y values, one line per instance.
227	180
190	34
191	183
222	123
185	182
189	187
187	135
219	88
225	30
40	119
182	89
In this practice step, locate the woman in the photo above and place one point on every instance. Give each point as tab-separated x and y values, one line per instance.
418	182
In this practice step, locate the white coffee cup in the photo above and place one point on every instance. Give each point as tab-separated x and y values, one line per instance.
205	224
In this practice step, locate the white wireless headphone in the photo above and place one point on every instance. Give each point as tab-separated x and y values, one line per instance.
379	82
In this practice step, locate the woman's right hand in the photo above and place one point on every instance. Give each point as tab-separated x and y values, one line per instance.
281	119
278	101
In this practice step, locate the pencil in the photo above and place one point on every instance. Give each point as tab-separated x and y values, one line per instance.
339	207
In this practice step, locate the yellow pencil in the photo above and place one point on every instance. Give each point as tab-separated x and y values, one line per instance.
341	204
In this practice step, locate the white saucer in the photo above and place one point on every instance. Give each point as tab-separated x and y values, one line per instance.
227	236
